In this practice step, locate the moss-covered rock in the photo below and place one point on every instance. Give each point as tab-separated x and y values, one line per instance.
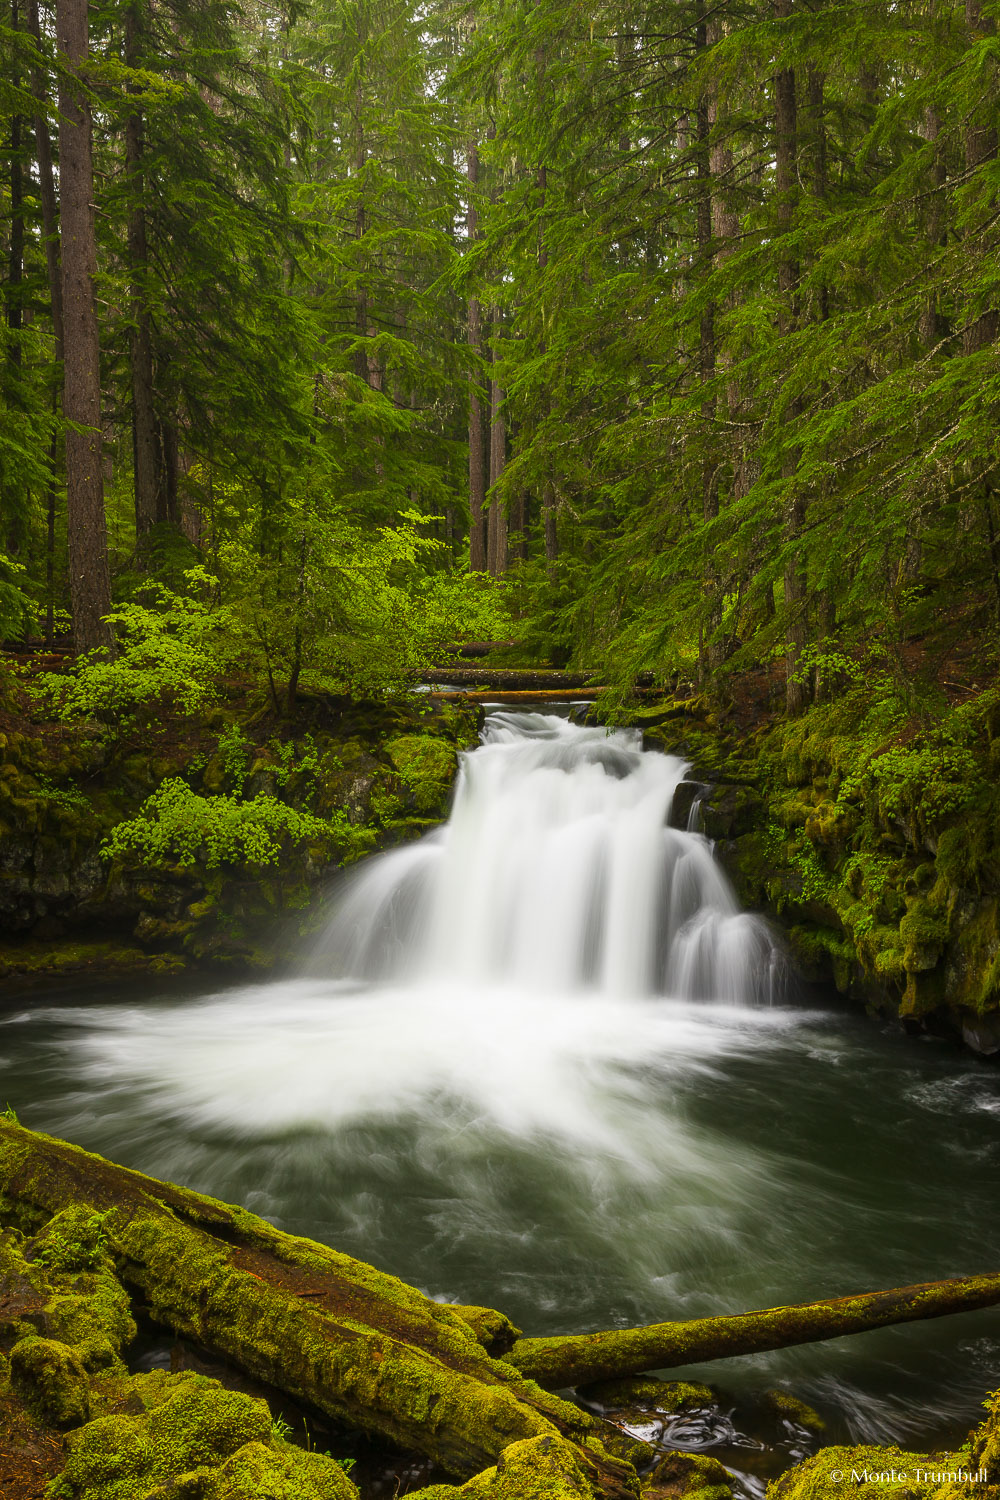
51	1380
540	1468
375	773
688	1476
427	767
194	1439
888	1473
876	844
789	1408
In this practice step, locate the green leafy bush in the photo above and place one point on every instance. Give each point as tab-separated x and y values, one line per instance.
170	646
177	824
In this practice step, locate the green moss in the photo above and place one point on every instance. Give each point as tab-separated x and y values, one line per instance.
492	1329
888	1473
427	768
72	1240
199	1423
688	1476
924	932
541	1468
256	1472
866	1473
50	1379
788	1407
31	959
648	1393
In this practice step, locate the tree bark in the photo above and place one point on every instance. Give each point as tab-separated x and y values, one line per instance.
577	1359
144	445
47	188
90	588
931	321
980	147
363	1347
15	257
708	655
550	525
50	228
496	552
478	455
505	677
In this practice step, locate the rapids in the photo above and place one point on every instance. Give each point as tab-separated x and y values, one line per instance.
541	1060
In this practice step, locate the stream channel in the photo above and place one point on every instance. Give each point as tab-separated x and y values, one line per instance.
540	1060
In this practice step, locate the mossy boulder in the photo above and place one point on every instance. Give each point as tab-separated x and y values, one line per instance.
688	1476
281	1472
195	1440
540	1468
426	767
972	1473
788	1408
51	1380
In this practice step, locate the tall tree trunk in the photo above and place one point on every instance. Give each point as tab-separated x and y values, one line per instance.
980	146
478	455
931	328
50	228
144	444
725	229
550	528
90	589
785	182
47	189
360	230
497	548
14	534
15	258
519	524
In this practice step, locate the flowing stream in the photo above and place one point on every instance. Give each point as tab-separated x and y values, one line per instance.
541	1060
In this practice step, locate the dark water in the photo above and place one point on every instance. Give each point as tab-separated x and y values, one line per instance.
580	1161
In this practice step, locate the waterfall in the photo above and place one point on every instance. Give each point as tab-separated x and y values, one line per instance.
557	870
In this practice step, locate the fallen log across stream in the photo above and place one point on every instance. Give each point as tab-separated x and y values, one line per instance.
578	1359
456	1384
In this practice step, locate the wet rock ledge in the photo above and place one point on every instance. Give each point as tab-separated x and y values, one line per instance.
878	853
255	816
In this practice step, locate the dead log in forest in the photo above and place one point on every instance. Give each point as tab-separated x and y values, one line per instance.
577	1359
506	677
507	695
357	1344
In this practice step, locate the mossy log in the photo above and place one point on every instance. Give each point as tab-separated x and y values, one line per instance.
505	677
576	1359
359	1345
499	693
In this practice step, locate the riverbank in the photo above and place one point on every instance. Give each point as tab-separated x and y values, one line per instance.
172	840
871	838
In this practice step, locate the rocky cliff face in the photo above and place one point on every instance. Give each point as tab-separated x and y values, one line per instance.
363	776
879	860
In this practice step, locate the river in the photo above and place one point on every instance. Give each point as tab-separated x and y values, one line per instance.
540	1060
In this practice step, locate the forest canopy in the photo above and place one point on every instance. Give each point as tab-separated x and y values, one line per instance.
658	340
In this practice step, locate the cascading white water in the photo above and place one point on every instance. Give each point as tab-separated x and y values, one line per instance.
558	870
